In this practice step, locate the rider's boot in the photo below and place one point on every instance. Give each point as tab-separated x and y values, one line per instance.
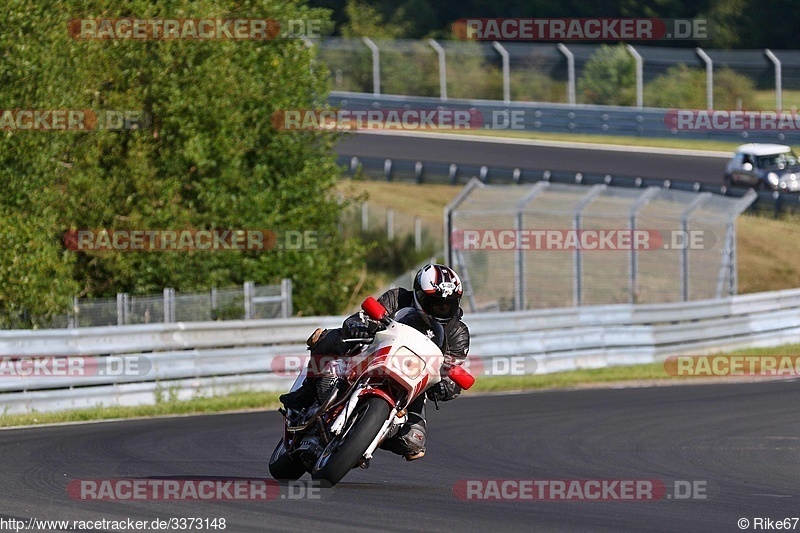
300	399
304	397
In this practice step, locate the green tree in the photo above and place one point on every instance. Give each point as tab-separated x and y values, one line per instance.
685	87
609	77
211	159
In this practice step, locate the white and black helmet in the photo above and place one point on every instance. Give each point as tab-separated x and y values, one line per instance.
437	292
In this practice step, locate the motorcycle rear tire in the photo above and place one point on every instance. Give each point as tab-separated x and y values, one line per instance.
344	452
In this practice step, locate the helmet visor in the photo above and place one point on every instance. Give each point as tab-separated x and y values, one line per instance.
438	307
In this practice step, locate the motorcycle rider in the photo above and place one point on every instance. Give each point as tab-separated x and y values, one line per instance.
437	293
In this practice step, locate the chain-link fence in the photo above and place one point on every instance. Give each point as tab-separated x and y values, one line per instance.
373	219
537	72
250	301
558	245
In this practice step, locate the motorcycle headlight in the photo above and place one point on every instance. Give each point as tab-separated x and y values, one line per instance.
773	179
408	362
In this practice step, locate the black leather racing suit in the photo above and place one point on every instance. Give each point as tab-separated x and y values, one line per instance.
411	436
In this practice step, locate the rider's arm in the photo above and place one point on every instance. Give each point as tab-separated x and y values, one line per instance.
457	349
389	300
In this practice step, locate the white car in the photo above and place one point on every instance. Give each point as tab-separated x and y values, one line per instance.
764	166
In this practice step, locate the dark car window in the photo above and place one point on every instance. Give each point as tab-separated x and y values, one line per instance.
777	160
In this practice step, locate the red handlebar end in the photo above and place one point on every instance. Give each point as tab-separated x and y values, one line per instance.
374	309
461	377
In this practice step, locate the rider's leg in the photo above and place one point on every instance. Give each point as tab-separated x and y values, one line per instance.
409	441
322	343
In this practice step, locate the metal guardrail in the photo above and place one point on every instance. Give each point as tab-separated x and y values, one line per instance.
416	171
188	359
560	118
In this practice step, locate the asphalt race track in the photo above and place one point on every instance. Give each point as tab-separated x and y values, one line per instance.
739	442
661	166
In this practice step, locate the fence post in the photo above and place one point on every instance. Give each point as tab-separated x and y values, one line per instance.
442	69
709	77
506	71
634	262
390	224
778	82
417	233
684	257
169	305
639	75
570	73
286	298
364	217
123	309
376	65
73	320
577	264
213	303
249	289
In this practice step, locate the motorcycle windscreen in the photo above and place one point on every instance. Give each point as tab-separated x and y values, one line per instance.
410	316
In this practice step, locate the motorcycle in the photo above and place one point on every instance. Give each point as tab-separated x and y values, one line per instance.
362	397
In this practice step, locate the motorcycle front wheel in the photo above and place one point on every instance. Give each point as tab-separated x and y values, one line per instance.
344	451
283	466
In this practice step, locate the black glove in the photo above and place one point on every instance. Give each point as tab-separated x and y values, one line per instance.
358	330
444	391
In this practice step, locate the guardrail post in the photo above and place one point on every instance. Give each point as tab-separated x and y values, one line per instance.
376	65
249	290
639	75
506	71
286	298
442	69
418	169
570	72
169	305
709	77
387	169
778	82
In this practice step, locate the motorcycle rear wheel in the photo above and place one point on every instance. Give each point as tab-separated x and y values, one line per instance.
344	451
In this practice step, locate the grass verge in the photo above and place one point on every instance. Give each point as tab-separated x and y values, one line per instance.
656	142
243	401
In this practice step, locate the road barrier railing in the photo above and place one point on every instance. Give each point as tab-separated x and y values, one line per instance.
186	360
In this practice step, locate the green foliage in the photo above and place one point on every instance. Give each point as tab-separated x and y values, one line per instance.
685	87
365	20
393	257
210	160
609	77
